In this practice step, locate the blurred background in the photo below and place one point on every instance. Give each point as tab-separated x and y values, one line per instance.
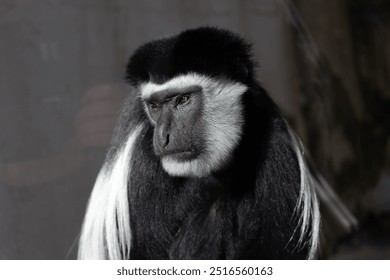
326	63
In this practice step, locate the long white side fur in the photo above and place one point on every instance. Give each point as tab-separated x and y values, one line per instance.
307	206
223	121
106	232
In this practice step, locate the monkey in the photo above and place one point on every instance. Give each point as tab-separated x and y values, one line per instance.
202	165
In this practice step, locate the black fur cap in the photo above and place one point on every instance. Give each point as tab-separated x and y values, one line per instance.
206	50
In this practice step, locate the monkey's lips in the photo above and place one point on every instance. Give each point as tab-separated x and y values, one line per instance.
180	155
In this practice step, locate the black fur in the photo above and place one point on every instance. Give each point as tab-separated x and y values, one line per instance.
206	50
246	210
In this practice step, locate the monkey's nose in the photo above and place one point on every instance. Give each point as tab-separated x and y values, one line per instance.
166	141
163	138
162	143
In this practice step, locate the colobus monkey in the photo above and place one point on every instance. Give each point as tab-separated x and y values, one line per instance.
203	166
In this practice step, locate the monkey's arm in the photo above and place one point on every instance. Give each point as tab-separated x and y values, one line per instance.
268	216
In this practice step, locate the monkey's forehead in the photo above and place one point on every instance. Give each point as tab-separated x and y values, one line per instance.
208	51
194	82
178	83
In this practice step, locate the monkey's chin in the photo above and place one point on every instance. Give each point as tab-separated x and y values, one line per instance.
181	167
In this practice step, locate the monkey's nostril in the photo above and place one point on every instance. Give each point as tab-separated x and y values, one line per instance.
166	140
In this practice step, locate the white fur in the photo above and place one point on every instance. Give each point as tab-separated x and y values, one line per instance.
106	230
178	82
222	115
310	214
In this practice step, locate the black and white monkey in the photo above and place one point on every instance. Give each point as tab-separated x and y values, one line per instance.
202	166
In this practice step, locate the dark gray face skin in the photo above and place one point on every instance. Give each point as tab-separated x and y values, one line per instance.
176	114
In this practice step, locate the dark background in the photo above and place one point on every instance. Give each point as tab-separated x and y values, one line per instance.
326	63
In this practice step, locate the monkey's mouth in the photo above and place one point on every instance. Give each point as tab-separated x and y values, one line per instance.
180	155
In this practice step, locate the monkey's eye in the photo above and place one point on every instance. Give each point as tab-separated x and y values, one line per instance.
182	99
154	105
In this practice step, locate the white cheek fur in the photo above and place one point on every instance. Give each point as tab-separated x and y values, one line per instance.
222	116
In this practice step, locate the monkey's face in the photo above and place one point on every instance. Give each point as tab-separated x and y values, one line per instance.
176	114
197	122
